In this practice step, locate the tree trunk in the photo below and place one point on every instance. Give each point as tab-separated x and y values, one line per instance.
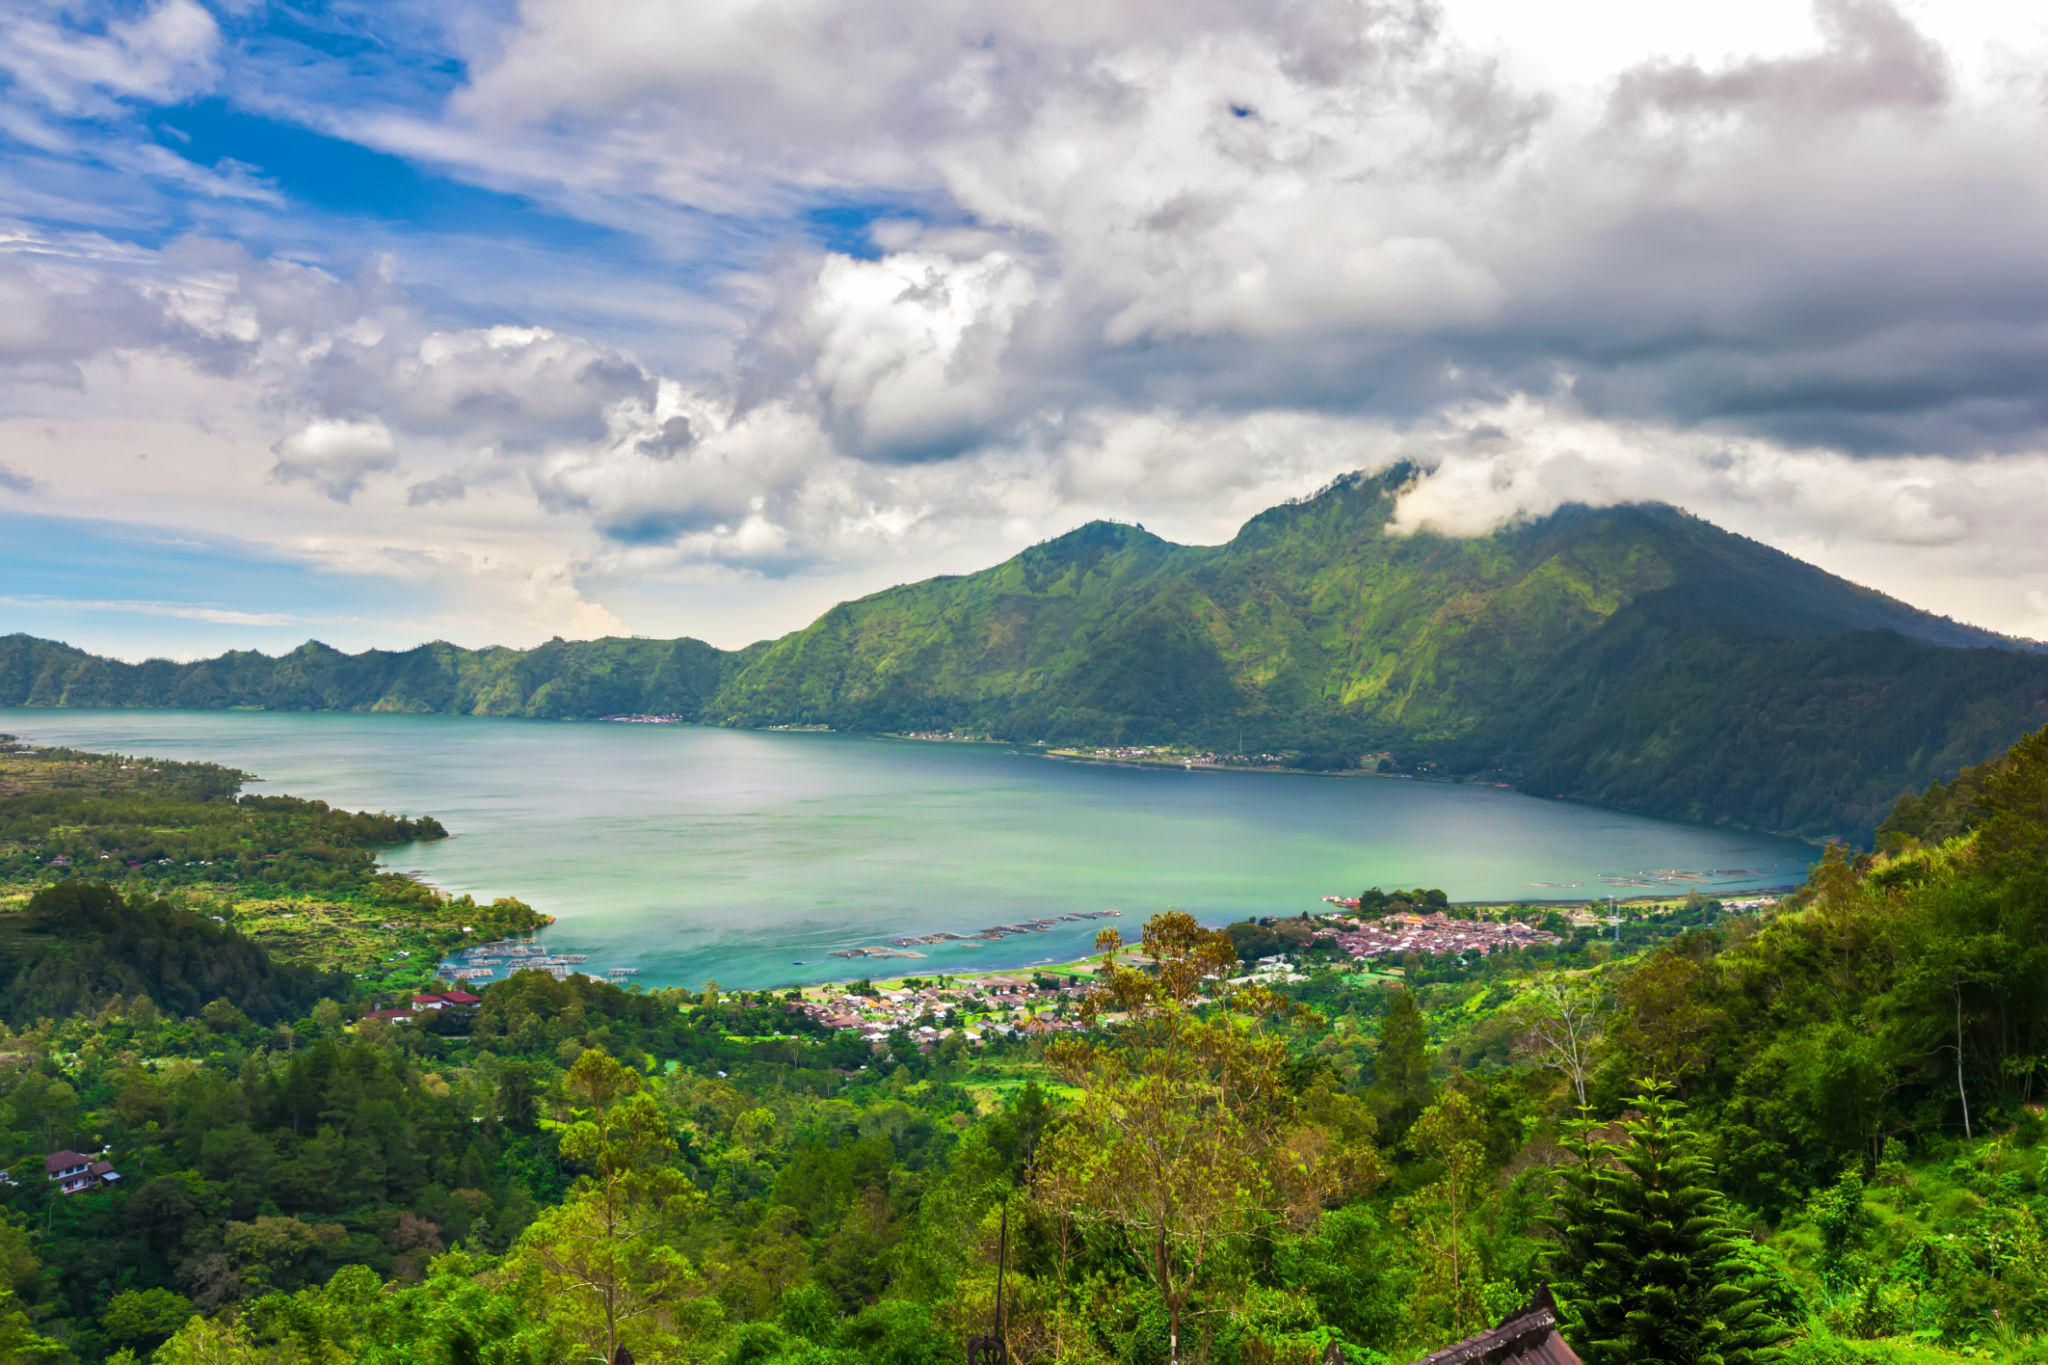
1961	1093
1172	1301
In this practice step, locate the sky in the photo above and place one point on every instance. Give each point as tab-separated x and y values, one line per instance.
385	322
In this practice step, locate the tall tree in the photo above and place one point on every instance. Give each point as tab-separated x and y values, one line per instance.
1444	1215
1401	1066
1563	1019
1648	1265
607	1254
1185	1139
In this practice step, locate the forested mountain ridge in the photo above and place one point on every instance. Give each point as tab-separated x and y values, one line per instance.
558	680
1633	656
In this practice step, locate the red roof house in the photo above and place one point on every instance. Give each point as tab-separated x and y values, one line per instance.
76	1173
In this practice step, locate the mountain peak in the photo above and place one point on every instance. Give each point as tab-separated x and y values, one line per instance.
1093	537
1363	498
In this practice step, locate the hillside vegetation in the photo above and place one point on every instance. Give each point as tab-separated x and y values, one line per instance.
1808	1137
215	883
1632	656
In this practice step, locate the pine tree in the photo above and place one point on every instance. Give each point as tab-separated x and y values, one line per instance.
1649	1269
1401	1067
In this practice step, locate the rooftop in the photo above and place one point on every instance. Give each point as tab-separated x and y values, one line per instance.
1527	1336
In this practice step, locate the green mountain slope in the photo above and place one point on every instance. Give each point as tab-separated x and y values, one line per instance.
560	679
1633	656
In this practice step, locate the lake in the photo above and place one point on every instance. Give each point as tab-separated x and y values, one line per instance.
691	852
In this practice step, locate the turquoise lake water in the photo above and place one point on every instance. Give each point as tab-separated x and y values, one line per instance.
691	852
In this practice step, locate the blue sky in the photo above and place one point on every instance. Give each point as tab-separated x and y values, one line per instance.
500	321
124	589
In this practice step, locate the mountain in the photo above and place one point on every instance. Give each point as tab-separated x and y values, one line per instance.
562	679
1632	656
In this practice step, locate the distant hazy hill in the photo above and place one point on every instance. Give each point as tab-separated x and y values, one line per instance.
560	679
1633	656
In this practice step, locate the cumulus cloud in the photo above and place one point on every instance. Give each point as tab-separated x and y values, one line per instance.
1329	205
1174	261
1872	58
550	591
335	457
52	318
512	387
906	354
1521	460
445	488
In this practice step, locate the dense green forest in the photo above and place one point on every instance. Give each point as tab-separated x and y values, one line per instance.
1631	656
296	877
1812	1136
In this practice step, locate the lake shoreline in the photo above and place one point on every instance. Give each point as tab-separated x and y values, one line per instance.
690	852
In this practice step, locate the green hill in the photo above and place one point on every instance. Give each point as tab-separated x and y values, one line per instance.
1632	656
559	680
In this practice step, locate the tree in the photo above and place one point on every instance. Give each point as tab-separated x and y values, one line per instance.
1563	1021
1666	1025
143	1318
606	1253
1401	1066
518	1095
1184	1139
1648	1266
19	1340
1443	1214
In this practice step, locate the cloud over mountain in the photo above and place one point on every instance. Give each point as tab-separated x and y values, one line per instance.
867	288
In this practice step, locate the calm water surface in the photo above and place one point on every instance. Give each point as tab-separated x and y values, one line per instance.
690	852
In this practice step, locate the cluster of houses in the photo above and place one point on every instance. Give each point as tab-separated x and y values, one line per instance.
1433	934
1143	753
426	1004
982	1008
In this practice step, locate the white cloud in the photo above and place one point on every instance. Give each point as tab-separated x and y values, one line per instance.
907	354
1165	261
165	53
1950	536
551	594
335	457
178	611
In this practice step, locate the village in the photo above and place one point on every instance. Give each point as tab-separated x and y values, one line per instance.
1432	934
932	1010
1166	755
1045	1000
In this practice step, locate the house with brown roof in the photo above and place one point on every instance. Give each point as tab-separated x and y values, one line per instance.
76	1173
